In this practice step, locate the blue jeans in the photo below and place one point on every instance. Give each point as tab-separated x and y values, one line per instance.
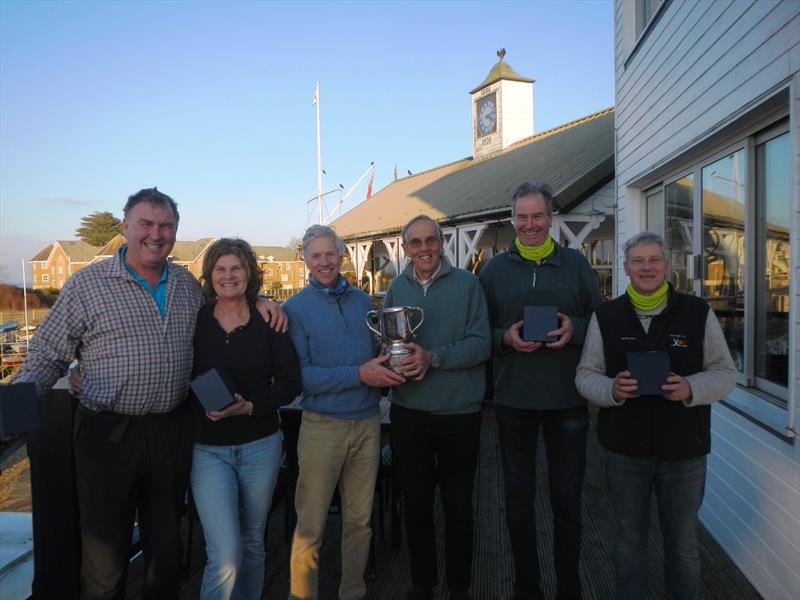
679	488
232	487
565	443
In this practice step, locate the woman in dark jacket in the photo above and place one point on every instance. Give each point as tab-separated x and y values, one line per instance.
237	450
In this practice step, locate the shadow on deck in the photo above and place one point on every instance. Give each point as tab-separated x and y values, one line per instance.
492	570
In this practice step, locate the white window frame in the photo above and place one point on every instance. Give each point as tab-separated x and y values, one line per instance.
635	28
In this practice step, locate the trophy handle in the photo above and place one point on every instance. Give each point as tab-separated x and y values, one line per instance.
421	318
372	317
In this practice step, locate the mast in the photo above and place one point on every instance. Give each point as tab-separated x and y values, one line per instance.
25	303
319	157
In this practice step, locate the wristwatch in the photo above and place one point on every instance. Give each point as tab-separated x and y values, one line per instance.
436	362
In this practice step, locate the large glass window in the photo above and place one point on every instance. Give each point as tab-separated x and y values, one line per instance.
723	247
679	211
773	212
727	224
655	210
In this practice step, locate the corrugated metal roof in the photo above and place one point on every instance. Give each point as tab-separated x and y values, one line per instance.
573	158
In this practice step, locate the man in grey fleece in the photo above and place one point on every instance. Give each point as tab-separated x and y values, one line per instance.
436	414
535	386
655	442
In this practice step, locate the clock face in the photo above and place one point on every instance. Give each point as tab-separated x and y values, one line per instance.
487	115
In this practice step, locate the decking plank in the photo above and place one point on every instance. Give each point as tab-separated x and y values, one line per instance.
492	571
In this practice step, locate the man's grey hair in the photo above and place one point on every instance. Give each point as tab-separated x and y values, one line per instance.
645	238
151	196
533	188
407	226
316	231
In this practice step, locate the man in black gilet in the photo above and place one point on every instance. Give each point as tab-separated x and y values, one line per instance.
660	441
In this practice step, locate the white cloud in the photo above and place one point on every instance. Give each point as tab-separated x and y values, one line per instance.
66	201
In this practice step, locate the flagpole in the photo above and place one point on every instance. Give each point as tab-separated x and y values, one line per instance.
319	157
25	304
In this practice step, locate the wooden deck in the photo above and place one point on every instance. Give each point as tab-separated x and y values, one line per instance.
492	570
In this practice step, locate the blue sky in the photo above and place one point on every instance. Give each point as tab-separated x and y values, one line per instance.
211	102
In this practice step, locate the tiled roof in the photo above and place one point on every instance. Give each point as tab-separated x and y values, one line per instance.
573	158
278	253
78	251
189	251
43	254
181	251
112	246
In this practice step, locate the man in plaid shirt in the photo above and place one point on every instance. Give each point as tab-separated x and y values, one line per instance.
130	320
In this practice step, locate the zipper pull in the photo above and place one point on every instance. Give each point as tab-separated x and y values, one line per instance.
533	283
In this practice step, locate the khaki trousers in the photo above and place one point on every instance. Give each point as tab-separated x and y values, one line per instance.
332	451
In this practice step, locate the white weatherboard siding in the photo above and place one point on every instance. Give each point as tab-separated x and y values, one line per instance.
699	67
601	201
751	504
517	110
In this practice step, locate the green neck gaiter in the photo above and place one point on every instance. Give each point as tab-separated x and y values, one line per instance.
647	303
536	253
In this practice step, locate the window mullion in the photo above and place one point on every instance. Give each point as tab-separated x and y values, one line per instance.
750	269
697	258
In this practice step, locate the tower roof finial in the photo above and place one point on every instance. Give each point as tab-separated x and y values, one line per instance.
501	70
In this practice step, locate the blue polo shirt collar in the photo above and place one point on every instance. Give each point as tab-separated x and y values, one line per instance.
159	294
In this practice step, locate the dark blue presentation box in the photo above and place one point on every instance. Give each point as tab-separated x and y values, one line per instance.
538	320
650	370
19	408
214	389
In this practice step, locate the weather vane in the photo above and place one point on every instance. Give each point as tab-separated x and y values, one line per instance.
501	54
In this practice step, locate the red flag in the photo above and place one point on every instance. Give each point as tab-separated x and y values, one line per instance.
369	187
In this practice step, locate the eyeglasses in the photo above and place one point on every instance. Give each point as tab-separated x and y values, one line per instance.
416	243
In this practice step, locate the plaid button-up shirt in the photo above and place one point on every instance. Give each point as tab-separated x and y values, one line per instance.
132	361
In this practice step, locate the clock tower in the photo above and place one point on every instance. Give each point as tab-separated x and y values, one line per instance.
502	109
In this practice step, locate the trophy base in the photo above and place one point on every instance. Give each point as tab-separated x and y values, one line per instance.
398	354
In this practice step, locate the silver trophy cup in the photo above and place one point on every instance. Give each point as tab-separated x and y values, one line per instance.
394	328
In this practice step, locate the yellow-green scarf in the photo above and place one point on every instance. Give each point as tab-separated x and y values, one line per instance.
536	253
647	303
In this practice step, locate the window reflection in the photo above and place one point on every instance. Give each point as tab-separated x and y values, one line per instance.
773	164
348	270
679	214
723	187
600	254
655	211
